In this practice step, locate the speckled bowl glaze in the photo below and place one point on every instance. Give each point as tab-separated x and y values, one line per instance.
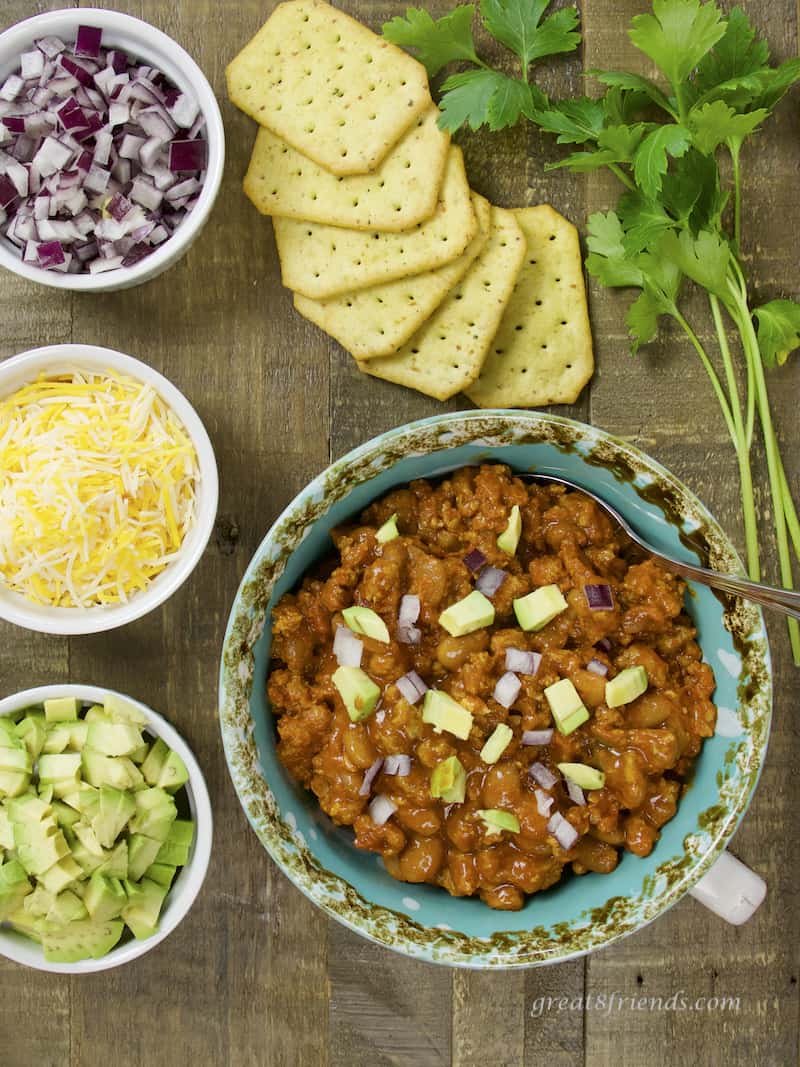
580	914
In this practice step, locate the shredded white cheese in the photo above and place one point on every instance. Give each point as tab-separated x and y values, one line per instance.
98	480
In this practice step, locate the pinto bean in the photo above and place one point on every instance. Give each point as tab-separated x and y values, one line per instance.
453	651
421	859
424	822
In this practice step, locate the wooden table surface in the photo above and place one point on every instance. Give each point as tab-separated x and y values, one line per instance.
255	975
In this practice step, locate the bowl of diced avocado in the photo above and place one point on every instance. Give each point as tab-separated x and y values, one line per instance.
105	828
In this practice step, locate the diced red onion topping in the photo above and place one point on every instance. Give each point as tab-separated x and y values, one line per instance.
596	666
490	580
522	662
81	128
604	644
381	810
347	648
369	777
543	802
408	634
474	560
537	737
399	765
542	775
599	597
575	793
412	687
409	609
507	689
563	830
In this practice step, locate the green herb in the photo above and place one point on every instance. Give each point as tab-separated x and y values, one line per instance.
664	139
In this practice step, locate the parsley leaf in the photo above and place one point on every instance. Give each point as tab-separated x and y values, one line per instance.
691	193
620	79
650	162
643	220
778	330
735	55
608	260
517	24
642	320
434	43
713	123
677	35
575	121
478	97
704	259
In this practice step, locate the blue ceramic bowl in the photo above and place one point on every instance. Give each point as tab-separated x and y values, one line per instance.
580	914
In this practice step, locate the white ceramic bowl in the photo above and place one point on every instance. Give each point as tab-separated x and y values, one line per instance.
54	359
145	42
21	949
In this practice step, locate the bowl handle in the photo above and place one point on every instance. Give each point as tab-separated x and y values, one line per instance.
731	890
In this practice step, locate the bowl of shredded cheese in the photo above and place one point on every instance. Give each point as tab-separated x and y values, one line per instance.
108	489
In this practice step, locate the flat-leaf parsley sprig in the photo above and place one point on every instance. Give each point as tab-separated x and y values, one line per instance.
664	139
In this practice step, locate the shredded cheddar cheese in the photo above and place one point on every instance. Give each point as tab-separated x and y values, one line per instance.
98	479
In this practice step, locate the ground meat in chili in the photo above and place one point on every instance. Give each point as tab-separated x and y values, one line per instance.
645	748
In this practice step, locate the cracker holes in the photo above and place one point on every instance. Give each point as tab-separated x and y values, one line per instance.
532	262
349	303
407	164
368	58
381	332
305	18
538	303
343	152
284	151
379	299
459	296
355	201
372	117
569	366
563	322
499	351
414	351
558	279
543	345
518	328
552	237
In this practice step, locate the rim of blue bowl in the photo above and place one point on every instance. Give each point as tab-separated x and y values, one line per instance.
346	904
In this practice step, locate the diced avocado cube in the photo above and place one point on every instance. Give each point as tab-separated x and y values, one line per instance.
627	686
6	830
140	755
116	809
162	873
16	759
61	875
497	820
540	607
566	705
116	866
366	622
61	709
66	908
8	729
32	732
173	853
80	941
449	781
471	613
24	923
357	690
509	538
182	832
144	907
61	768
173	773
113	738
142	852
87	860
122	711
104	897
388	531
496	745
57	736
14	887
13	783
116	771
28	808
88	838
78	732
444	713
39	902
39	845
96	713
583	775
86	800
65	815
155	814
156	757
46	792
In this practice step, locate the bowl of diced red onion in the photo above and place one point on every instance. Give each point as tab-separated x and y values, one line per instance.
111	150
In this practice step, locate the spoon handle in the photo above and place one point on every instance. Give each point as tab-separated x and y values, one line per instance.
784	600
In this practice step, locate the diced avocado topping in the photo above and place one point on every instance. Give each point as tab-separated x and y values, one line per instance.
540	607
444	713
465	616
366	622
497	744
388	531
78	816
584	776
357	690
509	538
497	820
449	781
627	686
566	705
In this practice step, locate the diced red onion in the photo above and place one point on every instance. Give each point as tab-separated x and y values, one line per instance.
88	41
399	765
575	793
563	830
537	737
412	687
31	64
408	634
183	110
522	662
490	580
8	191
50	254
474	560
347	648
409	609
604	644
543	802
381	810
542	775
188	155
51	46
596	666
507	689
369	777
599	597
12	87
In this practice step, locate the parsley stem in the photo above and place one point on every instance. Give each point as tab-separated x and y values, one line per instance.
712	374
742	448
738	279
623	177
733	147
791	514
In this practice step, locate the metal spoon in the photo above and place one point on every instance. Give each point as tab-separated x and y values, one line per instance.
783	600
